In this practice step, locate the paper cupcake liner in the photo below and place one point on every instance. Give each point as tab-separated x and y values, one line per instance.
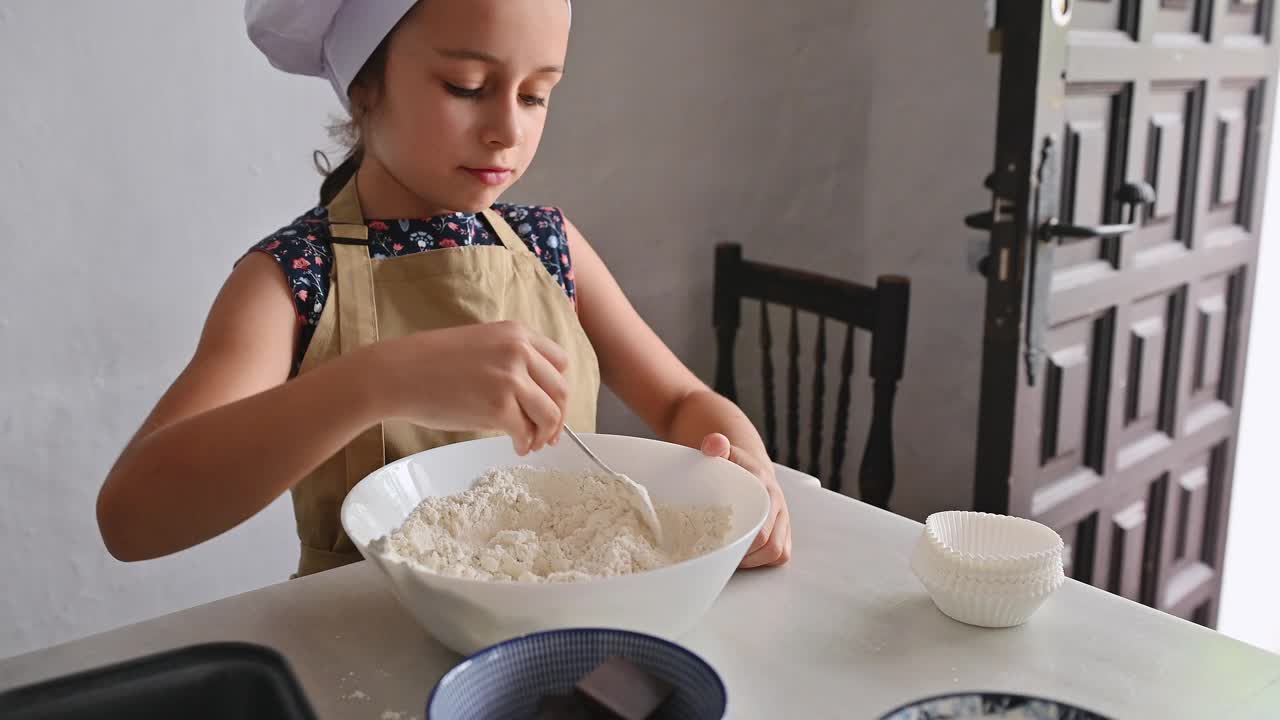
986	610
981	587
924	562
992	545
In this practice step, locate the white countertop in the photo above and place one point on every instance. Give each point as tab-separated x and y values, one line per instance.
843	631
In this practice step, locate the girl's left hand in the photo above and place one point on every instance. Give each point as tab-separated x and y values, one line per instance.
773	545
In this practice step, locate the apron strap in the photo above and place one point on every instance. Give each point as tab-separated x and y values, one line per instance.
357	313
346	218
504	232
357	308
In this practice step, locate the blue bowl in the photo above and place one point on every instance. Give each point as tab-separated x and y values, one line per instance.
508	679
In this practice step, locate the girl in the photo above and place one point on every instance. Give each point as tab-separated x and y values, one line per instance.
410	309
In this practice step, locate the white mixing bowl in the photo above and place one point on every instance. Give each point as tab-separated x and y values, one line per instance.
467	615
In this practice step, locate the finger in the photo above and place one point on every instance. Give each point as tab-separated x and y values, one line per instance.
786	546
775	551
782	529
716	445
749	462
766	532
551	351
541	411
784	556
552	383
520	427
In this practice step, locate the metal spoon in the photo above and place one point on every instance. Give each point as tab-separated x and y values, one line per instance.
639	495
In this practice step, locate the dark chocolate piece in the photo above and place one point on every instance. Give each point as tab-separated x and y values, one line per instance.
624	691
564	707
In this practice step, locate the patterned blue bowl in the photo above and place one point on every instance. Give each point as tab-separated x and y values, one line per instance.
508	679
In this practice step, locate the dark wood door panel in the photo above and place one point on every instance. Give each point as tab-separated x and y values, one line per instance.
1230	160
1194	521
1095	143
1145	376
1128	545
1104	20
1169	158
1110	393
1069	381
1243	20
1069	405
1079	537
1181	21
1210	349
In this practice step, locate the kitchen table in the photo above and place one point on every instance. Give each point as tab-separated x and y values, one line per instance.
843	631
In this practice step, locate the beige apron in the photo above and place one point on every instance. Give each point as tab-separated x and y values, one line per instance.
377	299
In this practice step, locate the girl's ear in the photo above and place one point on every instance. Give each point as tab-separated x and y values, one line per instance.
360	101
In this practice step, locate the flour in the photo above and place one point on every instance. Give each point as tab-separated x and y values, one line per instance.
536	525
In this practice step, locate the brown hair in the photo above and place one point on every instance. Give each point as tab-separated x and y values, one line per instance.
347	132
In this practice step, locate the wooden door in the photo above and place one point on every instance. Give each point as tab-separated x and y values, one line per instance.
1127	189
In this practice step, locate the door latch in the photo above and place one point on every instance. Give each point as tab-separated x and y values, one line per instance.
1001	212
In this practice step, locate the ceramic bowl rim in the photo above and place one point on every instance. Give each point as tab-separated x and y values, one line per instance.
983	693
366	550
471	659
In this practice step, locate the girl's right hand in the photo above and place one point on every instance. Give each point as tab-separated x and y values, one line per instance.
488	377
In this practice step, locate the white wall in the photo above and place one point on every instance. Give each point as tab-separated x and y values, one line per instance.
145	147
1251	588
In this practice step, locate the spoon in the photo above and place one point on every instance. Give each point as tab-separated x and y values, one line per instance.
639	495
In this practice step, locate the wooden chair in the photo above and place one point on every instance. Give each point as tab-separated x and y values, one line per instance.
881	310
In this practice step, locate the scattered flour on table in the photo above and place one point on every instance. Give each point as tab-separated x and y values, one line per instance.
539	525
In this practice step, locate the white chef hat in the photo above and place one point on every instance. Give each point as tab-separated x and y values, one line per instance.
324	38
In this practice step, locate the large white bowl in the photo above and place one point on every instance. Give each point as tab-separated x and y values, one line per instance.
467	615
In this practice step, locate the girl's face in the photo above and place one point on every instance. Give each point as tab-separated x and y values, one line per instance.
464	101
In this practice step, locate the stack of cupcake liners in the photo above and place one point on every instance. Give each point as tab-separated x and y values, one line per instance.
988	570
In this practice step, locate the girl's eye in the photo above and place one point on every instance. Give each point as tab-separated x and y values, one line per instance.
464	92
461	91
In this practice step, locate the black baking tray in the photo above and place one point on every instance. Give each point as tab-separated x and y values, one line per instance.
200	682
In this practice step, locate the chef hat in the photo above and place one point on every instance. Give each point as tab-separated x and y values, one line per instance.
324	38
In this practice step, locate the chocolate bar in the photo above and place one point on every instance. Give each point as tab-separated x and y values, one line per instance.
622	691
